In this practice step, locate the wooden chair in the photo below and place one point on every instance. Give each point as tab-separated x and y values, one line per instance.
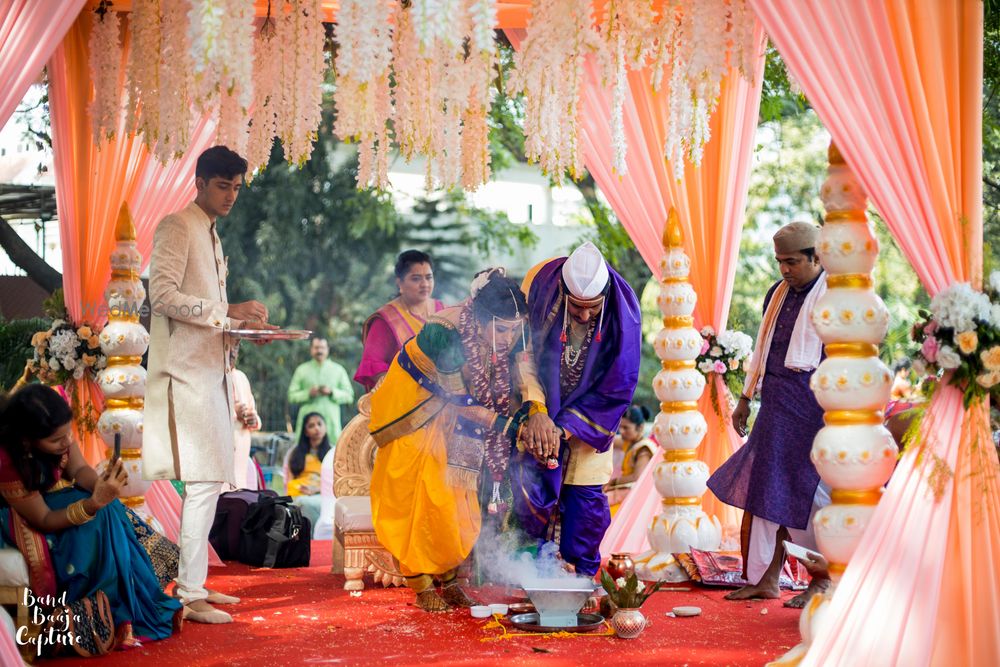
356	550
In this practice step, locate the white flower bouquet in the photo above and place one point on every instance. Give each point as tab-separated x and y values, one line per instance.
64	353
725	355
959	339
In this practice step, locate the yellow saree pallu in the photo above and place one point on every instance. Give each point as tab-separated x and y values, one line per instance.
425	512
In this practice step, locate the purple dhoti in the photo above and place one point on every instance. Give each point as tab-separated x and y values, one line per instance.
771	476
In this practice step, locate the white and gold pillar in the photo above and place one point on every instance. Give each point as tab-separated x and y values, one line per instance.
854	453
679	427
124	340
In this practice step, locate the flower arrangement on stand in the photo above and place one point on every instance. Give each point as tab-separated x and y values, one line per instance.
725	354
627	594
64	355
959	339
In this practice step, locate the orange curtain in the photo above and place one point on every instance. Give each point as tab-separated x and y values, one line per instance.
900	89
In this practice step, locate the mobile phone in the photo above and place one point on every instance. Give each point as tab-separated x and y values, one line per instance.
118	449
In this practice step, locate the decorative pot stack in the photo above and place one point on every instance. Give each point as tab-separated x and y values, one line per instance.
124	340
854	453
679	427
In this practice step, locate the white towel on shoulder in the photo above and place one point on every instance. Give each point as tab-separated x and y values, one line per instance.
805	349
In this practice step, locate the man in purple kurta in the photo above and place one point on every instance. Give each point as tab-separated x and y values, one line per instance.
586	331
771	476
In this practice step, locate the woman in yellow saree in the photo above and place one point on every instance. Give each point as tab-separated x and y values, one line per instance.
446	406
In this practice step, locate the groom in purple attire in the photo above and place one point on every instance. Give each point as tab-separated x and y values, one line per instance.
586	330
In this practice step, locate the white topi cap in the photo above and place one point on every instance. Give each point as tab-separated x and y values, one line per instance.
585	272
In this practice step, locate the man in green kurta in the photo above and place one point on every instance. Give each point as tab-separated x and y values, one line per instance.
320	386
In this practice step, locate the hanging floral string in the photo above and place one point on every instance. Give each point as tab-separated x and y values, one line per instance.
629	36
144	70
221	35
301	36
442	93
364	37
177	82
105	69
266	94
712	35
549	73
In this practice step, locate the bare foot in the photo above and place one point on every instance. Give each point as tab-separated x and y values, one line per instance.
816	585
456	597
429	600
765	591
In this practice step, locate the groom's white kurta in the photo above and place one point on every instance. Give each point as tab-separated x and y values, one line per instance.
188	415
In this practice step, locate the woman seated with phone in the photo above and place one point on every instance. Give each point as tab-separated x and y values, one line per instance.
78	540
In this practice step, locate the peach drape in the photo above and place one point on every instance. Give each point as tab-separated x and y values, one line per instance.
29	31
901	92
710	200
91	183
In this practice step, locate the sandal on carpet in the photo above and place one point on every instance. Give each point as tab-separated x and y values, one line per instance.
456	597
429	600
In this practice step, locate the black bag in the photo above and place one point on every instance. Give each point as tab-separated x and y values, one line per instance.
275	534
230	512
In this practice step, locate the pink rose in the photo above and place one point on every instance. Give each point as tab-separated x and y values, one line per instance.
930	348
704	346
720	367
931	327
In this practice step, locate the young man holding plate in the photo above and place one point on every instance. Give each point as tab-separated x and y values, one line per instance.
188	414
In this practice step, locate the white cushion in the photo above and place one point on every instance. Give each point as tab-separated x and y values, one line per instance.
353	514
13	568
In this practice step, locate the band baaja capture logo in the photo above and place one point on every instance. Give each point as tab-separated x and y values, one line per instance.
54	617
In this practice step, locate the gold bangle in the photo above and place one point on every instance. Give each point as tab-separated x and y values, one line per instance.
77	514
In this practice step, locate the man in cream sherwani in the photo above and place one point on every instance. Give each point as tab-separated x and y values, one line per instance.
188	415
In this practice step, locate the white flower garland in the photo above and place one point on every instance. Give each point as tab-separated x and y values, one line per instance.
629	35
221	44
301	36
442	94
710	35
105	69
177	82
144	70
364	36
549	72
267	96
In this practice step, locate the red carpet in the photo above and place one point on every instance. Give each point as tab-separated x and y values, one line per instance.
304	617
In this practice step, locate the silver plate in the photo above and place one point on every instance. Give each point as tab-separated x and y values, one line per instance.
269	334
